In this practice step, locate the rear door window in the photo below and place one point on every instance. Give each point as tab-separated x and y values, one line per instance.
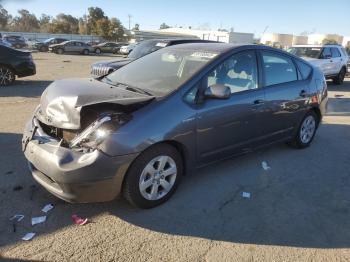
335	52
278	69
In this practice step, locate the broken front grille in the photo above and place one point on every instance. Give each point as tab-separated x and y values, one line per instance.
59	133
100	70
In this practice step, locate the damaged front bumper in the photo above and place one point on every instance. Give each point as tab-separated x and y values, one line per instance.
69	174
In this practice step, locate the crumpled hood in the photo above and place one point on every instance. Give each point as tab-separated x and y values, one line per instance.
61	102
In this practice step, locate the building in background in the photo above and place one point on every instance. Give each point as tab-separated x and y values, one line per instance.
300	40
319	39
277	40
346	41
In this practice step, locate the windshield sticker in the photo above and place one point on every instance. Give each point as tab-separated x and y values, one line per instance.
204	55
161	44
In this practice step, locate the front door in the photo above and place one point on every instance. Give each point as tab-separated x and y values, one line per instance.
337	60
227	127
326	61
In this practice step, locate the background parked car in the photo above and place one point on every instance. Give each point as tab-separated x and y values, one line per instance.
16	41
44	46
14	63
71	47
5	43
107	47
332	60
126	49
148	46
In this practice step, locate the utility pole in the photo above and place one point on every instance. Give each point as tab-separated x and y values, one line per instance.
129	17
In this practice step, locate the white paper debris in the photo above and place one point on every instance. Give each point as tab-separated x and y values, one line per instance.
17	217
246	194
265	166
28	236
47	208
38	220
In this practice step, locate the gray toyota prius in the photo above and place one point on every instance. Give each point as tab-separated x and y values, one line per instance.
138	130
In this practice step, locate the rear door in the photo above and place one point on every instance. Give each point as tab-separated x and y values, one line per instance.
234	125
326	61
69	47
286	94
337	60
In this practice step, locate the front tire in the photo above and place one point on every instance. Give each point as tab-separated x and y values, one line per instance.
7	76
153	177
98	51
306	131
59	51
339	80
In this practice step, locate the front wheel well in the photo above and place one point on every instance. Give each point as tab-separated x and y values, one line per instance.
318	114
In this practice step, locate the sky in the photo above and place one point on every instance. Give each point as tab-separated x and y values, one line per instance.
251	16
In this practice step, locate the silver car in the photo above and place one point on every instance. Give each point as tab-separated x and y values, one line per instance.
137	131
71	47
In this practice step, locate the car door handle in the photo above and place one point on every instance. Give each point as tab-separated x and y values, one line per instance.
331	61
258	102
302	93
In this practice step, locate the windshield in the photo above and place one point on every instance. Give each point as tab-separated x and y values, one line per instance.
48	40
311	52
161	72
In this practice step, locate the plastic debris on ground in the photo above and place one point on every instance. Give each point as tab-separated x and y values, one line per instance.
246	194
265	166
78	220
28	236
47	208
38	220
17	217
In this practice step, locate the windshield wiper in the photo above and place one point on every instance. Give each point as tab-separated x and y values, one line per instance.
138	90
127	87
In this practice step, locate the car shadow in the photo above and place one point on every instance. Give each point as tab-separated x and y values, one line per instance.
24	88
302	201
345	87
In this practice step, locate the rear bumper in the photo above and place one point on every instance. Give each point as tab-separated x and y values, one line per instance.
25	69
71	175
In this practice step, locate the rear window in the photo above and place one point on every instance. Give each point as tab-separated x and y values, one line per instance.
304	69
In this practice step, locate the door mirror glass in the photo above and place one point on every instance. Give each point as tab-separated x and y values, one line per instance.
218	91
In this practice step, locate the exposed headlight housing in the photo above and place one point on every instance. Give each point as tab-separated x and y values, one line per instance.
93	135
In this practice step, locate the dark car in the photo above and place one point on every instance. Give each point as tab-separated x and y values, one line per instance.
108	47
71	47
148	46
44	46
14	63
16	41
139	129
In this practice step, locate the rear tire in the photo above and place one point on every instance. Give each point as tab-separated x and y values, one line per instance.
85	52
306	131
339	80
7	76
153	177
43	49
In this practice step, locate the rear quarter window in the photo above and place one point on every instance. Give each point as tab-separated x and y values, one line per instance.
304	69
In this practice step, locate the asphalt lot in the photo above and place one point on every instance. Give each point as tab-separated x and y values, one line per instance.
298	211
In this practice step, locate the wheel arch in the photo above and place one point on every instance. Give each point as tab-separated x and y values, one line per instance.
9	66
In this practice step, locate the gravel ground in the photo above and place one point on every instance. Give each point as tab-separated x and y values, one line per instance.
298	210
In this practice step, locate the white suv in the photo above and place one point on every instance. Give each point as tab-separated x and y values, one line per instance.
331	59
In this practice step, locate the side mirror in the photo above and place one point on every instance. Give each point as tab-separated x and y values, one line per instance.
218	91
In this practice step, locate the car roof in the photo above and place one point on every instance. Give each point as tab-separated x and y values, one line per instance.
210	47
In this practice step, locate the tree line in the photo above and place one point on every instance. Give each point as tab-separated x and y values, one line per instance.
95	22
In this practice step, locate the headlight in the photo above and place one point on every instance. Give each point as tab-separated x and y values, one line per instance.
93	135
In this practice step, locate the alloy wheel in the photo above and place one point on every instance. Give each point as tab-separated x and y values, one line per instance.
6	76
158	178
307	129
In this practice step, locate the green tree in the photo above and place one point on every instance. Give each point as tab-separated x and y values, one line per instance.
45	23
25	22
136	27
65	24
94	14
164	26
5	18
